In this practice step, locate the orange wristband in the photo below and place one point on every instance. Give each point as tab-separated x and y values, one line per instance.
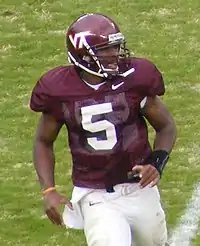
48	190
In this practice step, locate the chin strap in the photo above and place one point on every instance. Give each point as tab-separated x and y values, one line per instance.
103	75
125	74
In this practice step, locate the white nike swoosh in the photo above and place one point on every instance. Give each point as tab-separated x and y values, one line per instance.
114	87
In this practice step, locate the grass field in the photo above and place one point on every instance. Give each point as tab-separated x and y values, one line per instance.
31	42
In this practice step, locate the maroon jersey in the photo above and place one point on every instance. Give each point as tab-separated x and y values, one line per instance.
106	130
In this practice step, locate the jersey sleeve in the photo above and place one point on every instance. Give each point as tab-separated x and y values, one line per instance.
147	80
155	84
40	100
43	100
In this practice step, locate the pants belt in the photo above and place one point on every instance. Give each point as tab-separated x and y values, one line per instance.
132	180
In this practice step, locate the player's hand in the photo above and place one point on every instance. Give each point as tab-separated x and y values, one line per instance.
52	202
149	175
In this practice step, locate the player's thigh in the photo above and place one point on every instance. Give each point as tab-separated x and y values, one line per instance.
147	217
104	226
159	230
151	231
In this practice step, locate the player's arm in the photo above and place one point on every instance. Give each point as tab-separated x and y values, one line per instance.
44	160
50	123
161	120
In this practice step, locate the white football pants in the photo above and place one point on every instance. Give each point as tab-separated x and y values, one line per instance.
124	217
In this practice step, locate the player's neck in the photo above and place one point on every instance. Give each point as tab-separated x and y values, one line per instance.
91	79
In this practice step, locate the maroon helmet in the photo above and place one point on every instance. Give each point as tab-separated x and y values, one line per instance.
89	34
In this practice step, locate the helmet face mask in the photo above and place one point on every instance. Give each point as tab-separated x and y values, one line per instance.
109	57
96	45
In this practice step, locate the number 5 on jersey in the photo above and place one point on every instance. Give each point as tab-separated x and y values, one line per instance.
103	125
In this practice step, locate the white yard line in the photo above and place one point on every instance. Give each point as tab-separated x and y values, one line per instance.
187	227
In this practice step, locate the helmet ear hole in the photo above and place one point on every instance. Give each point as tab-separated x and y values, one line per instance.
87	59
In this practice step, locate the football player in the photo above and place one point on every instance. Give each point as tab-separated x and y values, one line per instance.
104	99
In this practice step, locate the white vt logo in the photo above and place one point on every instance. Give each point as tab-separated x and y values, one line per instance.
78	40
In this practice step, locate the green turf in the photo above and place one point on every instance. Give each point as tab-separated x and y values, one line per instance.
31	42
